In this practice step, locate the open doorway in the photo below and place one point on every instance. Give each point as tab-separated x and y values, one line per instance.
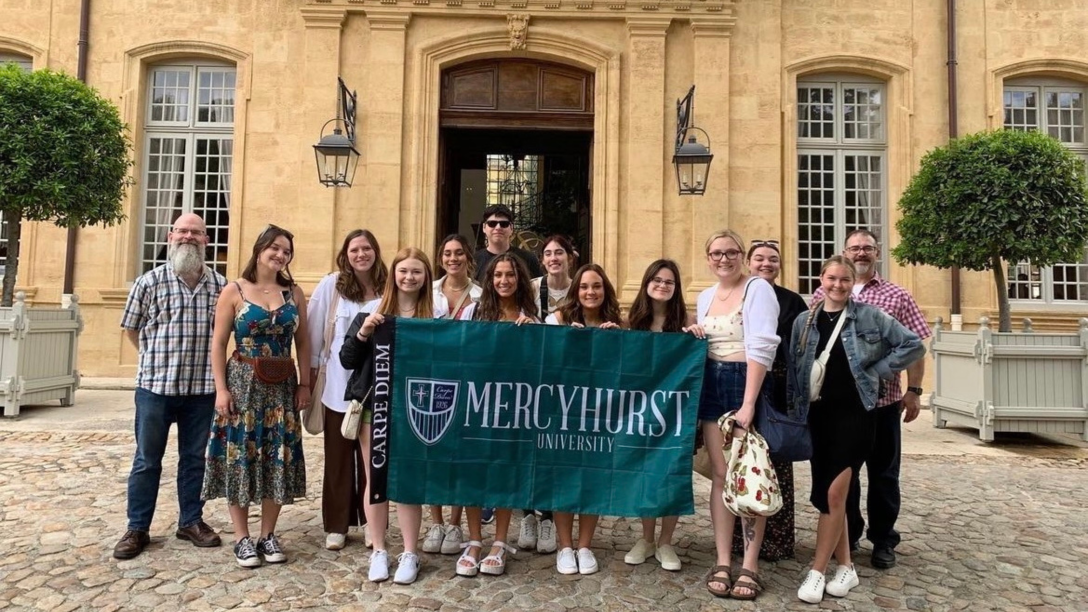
543	176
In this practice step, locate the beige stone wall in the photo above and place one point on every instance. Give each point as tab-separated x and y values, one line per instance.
744	58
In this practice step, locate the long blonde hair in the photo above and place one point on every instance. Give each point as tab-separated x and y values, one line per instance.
425	302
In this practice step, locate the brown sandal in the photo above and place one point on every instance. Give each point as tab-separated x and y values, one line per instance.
752	584
727	580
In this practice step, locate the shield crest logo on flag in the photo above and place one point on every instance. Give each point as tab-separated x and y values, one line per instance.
431	405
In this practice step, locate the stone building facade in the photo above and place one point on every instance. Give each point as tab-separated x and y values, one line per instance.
818	112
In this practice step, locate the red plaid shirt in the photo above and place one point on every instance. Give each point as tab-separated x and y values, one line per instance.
894	300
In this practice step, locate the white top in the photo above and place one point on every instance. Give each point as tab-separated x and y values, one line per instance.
555	296
336	377
474	294
725	334
759	317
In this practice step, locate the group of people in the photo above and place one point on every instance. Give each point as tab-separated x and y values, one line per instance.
239	423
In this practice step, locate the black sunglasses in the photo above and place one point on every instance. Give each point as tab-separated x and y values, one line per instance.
495	223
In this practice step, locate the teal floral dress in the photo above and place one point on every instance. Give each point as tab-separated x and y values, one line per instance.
255	453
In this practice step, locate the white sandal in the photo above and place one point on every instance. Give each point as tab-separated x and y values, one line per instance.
465	570
496	569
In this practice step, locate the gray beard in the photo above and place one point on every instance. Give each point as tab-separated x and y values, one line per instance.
187	259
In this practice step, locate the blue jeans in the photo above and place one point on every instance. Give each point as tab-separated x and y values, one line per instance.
154	414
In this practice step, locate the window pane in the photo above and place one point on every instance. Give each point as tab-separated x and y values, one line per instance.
1021	110
215	97
863	113
170	95
21	61
211	194
163	196
1065	115
1025	282
815	195
863	191
815	112
1070	281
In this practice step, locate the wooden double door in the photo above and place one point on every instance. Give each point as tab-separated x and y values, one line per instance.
519	133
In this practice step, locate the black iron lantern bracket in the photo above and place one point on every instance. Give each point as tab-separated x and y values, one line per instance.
337	157
691	158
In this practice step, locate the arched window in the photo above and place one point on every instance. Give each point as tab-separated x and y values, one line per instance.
188	155
1054	106
842	148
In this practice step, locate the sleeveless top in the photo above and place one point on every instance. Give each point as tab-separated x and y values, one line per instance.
725	334
259	332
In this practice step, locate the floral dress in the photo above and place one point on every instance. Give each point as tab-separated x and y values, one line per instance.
255	453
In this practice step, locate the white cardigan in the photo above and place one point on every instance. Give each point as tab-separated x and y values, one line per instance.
759	317
336	377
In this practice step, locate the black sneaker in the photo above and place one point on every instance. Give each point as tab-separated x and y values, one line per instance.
883	557
270	549
246	554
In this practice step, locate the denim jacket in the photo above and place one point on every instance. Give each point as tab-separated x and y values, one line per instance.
877	347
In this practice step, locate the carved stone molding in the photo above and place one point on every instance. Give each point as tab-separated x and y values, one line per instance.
519	30
587	9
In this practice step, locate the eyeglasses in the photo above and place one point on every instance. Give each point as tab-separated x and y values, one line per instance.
867	249
765	243
730	255
184	231
664	282
496	223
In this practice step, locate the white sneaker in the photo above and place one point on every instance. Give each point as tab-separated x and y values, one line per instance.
845	579
407	568
451	540
587	562
335	541
379	566
638	554
566	562
812	589
433	542
668	558
545	543
527	537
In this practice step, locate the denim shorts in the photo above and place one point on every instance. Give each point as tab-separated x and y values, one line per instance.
723	388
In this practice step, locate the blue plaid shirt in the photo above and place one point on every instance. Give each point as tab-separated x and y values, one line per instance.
175	326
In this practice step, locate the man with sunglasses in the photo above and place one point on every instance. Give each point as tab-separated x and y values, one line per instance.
863	249
168	318
498	226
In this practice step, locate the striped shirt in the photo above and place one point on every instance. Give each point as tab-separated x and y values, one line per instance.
175	326
894	300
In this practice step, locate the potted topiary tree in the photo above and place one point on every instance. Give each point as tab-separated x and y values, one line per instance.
63	159
981	202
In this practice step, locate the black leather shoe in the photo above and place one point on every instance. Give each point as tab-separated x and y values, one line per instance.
200	534
883	557
132	543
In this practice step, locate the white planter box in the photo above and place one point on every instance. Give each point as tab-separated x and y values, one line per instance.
38	354
995	381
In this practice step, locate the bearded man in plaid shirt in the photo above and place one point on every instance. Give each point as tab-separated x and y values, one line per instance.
863	249
168	318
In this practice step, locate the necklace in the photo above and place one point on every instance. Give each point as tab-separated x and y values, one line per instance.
727	295
459	289
412	309
833	318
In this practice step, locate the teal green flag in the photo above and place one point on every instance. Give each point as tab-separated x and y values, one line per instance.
540	416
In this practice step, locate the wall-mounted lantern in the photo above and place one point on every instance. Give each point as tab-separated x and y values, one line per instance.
337	158
692	158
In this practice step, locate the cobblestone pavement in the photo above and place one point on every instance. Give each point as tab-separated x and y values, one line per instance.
980	533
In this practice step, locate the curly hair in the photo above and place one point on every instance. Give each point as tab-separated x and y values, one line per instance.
490	306
572	310
425	303
642	310
347	285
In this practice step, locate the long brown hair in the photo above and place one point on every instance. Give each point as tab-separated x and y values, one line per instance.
642	310
565	243
424	303
490	306
346	284
572	311
265	240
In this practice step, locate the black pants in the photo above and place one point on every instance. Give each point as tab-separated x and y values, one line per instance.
882	467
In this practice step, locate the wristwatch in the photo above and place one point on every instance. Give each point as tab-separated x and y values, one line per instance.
915	390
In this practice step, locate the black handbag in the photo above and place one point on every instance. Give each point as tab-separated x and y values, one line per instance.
786	433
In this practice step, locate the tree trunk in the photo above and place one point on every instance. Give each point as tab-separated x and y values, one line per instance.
11	270
1004	316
